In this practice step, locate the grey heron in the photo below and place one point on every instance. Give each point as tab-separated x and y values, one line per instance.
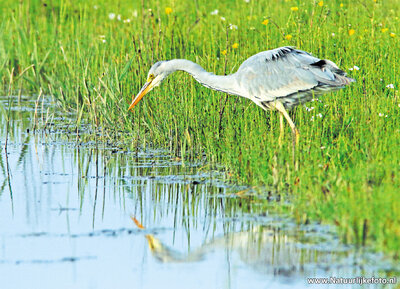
277	79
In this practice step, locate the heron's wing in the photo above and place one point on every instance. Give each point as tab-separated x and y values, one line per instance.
287	74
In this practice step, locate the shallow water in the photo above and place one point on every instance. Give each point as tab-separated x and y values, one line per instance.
66	219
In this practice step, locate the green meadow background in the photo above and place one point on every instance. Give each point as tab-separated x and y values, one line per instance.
93	56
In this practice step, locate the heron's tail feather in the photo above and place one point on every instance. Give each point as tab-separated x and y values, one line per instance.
328	73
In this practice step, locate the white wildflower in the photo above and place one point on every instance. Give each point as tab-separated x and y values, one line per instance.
247	1
355	67
319	115
104	41
390	86
111	16
127	20
223	18
333	34
233	27
134	13
215	12
119	17
309	108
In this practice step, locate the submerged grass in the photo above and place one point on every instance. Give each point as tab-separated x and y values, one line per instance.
92	56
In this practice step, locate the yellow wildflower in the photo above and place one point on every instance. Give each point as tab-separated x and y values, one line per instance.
341	5
384	30
321	3
265	22
294	8
393	35
288	37
223	52
235	45
351	32
168	10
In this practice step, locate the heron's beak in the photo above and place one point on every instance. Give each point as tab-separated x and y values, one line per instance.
145	89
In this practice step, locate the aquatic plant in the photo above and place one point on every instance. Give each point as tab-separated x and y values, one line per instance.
92	57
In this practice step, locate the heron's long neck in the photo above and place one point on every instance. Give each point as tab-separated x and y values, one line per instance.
224	83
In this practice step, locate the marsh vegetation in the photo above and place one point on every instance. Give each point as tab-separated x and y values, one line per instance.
92	57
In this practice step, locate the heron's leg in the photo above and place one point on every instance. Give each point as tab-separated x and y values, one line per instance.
296	135
282	129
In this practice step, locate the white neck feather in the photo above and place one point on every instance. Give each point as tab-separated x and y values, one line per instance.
224	83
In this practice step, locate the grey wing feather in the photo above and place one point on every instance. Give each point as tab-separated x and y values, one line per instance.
288	74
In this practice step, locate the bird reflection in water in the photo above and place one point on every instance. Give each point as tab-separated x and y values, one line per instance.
266	250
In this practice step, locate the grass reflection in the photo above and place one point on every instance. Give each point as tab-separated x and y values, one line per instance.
68	184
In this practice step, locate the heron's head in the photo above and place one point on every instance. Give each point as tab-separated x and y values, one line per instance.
157	73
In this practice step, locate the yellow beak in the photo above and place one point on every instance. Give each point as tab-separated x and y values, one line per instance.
145	89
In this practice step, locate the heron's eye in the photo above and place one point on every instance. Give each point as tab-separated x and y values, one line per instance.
151	77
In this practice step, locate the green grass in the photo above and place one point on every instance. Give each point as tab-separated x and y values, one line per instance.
349	159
